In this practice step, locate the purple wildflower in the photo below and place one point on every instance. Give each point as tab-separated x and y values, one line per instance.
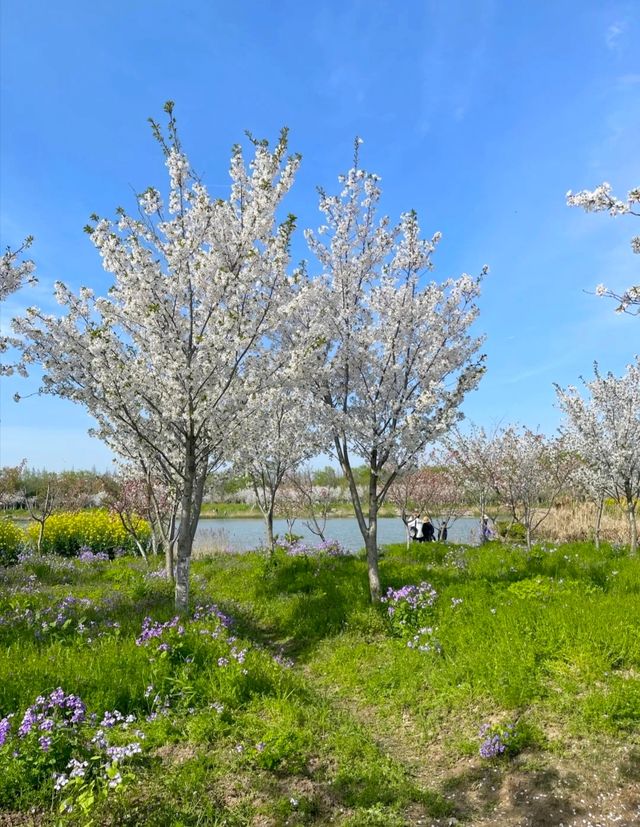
124	752
78	768
86	555
28	722
492	747
496	740
5	726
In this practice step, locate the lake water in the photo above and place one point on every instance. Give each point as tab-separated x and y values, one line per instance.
245	534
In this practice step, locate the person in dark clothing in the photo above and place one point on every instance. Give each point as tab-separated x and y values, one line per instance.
428	531
443	533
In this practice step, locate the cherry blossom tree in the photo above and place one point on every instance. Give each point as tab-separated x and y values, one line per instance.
274	438
529	473
15	271
390	356
288	506
198	285
12	493
432	491
311	498
446	499
404	494
470	460
604	429
133	496
42	505
601	199
519	469
591	483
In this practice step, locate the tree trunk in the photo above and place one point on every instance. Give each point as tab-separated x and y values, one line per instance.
483	533
633	528
371	540
169	546
372	565
189	515
369	532
139	545
183	563
168	559
40	536
598	522
268	518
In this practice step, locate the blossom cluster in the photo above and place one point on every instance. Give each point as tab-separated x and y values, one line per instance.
62	719
15	270
209	619
211	611
602	199
5	727
50	713
412	597
152	629
409	611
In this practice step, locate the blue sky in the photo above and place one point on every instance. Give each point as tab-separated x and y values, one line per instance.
480	114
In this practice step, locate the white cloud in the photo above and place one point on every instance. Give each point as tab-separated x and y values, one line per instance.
613	34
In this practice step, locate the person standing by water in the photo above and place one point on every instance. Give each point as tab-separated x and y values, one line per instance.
486	532
428	531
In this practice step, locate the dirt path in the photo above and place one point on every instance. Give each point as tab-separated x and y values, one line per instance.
595	785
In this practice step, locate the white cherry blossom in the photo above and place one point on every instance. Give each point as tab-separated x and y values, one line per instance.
389	356
159	361
601	199
15	271
604	430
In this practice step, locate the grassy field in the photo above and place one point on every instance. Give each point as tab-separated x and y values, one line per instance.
506	693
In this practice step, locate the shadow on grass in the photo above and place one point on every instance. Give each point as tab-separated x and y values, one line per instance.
301	602
630	767
510	793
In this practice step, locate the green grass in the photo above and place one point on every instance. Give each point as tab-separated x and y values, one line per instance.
224	510
329	716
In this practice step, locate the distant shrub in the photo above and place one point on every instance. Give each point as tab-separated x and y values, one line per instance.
515	532
12	540
69	533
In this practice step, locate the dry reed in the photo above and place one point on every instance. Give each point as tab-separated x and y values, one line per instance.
576	521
